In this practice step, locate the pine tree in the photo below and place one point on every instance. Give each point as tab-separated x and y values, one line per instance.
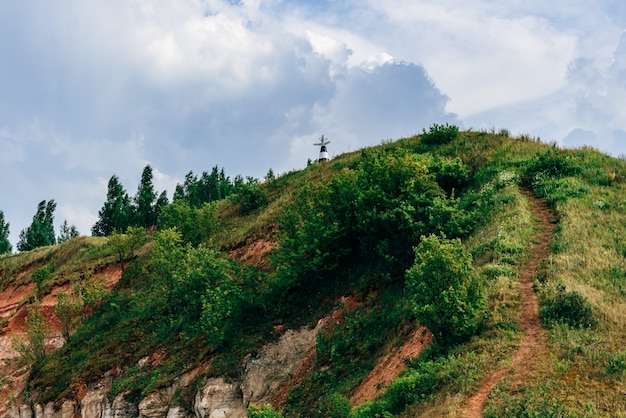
145	199
41	231
161	202
5	244
116	214
67	232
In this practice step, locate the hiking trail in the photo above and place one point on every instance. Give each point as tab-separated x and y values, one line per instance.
533	343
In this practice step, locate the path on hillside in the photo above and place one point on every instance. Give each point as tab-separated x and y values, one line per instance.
533	343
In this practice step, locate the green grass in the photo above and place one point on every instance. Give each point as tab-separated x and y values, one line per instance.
585	373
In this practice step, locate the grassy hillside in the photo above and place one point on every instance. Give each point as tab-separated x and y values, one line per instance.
352	227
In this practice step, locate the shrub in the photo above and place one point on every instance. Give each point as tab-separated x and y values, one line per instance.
41	275
195	224
265	411
32	348
336	406
370	410
451	175
617	364
440	134
552	163
250	195
444	290
570	308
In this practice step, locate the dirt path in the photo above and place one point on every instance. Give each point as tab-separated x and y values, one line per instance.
533	343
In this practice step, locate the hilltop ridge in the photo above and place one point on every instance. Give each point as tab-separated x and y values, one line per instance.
300	289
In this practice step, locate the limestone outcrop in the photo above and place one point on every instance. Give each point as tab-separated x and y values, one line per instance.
261	376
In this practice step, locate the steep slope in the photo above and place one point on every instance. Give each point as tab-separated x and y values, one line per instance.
298	299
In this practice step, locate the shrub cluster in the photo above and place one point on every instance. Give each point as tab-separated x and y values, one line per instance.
570	308
440	134
445	291
369	218
552	163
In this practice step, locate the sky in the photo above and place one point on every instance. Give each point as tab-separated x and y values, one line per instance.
100	88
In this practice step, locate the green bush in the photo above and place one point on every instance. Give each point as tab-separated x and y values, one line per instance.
336	406
570	308
440	134
250	195
370	410
452	175
552	163
445	291
195	224
40	276
616	364
265	411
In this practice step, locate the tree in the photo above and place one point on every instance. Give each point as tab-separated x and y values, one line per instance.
32	348
116	213
67	309
67	232
250	195
161	203
126	244
206	189
444	290
91	292
41	231
145	199
5	244
195	225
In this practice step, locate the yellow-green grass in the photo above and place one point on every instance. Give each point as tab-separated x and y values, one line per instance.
500	248
585	374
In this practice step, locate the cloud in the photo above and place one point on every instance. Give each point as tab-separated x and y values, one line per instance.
95	89
480	53
588	109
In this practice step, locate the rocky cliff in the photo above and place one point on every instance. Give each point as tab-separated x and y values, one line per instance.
261	377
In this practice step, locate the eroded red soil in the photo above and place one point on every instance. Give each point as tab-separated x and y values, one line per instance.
13	374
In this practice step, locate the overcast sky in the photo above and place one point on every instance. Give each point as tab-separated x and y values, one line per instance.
89	89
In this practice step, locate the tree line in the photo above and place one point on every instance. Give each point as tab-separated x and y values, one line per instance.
121	211
40	233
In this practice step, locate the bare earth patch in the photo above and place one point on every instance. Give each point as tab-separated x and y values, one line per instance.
390	366
533	345
254	253
13	375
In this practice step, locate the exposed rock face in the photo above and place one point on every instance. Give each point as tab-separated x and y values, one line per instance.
218	397
94	404
265	373
121	408
155	404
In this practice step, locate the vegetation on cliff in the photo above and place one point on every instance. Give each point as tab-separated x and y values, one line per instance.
431	229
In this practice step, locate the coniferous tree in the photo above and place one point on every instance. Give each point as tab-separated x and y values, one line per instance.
210	187
161	202
41	231
67	232
116	214
145	200
5	244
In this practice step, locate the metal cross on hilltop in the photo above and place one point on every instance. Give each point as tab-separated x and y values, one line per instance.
323	150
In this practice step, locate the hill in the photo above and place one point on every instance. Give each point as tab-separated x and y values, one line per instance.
447	274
